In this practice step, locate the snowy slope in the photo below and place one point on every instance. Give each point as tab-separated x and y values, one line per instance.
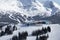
29	7
53	35
34	7
53	6
17	9
9	5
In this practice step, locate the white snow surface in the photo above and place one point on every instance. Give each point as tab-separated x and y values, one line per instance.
27	7
53	35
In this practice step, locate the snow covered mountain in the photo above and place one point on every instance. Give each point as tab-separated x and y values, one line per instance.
28	11
53	6
14	11
34	7
29	7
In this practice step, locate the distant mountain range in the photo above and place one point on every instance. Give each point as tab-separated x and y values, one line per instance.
23	11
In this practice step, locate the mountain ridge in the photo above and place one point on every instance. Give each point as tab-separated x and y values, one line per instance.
31	9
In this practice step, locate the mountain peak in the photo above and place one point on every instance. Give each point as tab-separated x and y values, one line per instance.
51	4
